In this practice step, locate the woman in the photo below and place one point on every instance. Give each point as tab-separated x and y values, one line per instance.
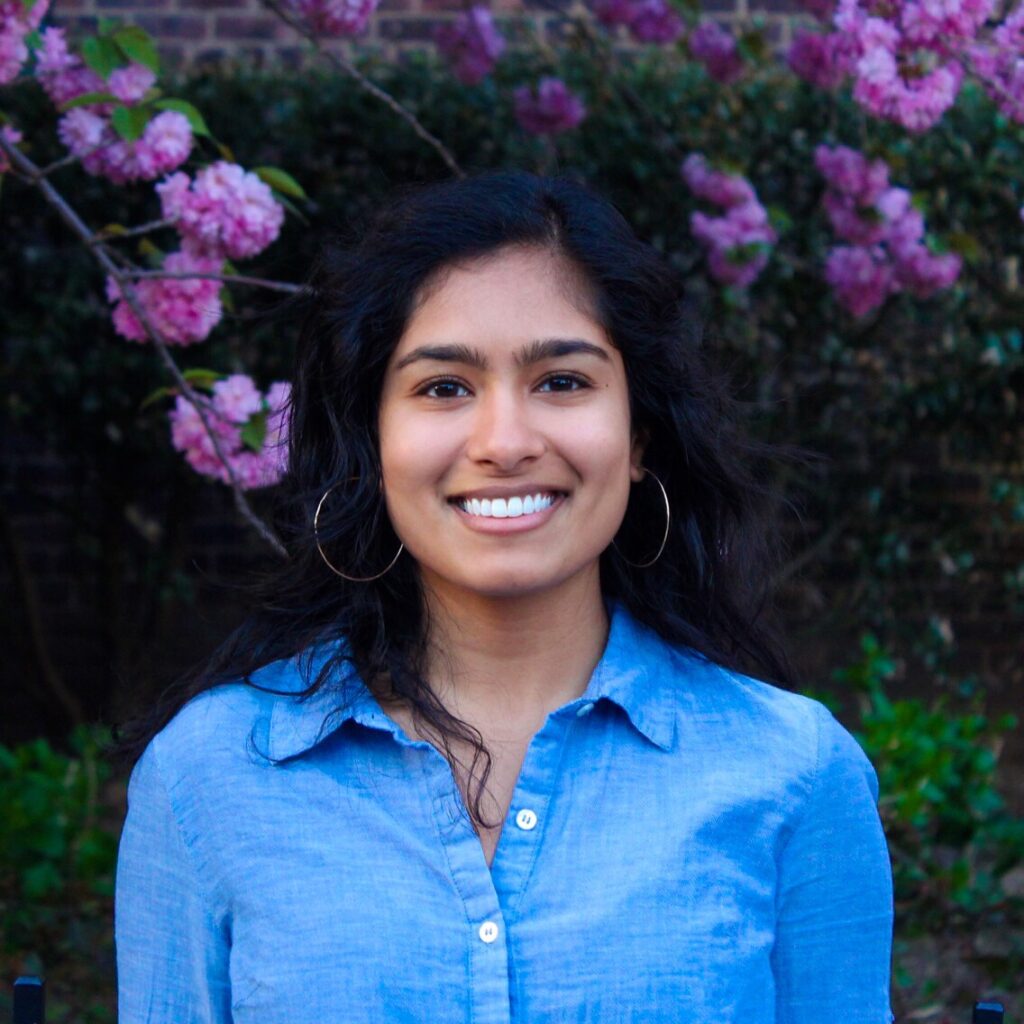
484	751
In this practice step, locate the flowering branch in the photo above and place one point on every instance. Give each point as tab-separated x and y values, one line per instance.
123	279
385	97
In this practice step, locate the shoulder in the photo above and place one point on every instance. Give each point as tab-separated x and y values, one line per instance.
760	725
222	731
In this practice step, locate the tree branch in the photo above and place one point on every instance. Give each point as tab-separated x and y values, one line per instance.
340	62
256	282
25	166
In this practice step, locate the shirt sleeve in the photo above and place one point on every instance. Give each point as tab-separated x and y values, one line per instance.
172	956
832	954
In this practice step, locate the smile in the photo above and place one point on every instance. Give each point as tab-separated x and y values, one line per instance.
502	508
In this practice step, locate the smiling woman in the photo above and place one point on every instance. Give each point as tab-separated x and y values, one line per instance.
524	530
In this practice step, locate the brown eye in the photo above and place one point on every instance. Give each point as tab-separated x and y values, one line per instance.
443	388
565	382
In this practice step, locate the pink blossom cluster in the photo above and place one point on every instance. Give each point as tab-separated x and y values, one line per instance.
472	43
17	20
550	109
183	310
716	49
10	134
235	400
738	243
165	144
648	21
888	253
1000	65
821	59
87	132
906	59
224	211
335	17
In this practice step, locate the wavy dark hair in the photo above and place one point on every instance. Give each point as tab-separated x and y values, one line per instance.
708	591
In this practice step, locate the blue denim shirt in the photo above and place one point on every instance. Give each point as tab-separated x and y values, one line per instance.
684	844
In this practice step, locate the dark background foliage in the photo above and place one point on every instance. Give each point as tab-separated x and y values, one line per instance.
904	598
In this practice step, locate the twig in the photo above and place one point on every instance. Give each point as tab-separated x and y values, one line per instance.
256	282
23	164
340	62
107	235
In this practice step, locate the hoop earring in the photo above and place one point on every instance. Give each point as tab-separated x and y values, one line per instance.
664	539
327	561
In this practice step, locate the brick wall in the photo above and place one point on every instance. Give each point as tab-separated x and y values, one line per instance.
192	32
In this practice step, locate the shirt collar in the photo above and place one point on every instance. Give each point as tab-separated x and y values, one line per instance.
638	671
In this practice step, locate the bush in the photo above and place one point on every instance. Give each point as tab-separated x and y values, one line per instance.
58	833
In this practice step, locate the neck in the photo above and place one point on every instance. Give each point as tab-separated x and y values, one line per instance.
507	662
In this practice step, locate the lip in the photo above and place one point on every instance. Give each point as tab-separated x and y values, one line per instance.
518	524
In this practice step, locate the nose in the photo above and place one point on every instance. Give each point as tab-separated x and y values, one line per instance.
503	432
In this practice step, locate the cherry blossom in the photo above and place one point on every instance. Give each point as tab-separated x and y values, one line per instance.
225	211
235	401
183	310
716	49
888	254
336	17
17	20
552	108
738	242
472	43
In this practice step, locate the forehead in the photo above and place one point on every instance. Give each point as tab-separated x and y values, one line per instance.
504	301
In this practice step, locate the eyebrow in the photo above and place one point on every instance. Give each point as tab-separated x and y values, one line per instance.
535	352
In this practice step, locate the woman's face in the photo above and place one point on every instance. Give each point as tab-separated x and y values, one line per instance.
505	438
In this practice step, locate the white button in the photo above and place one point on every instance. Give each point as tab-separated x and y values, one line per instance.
584	709
488	931
526	819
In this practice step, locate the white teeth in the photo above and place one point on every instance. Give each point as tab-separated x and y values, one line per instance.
511	508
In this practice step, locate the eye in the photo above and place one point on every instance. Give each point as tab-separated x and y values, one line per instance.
442	387
565	382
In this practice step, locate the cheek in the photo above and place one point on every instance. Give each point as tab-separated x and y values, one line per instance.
413	458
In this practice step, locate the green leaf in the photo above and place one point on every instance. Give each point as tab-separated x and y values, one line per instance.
254	430
226	152
137	45
106	26
34	40
280	181
130	122
155	396
87	99
201	378
195	119
101	55
151	253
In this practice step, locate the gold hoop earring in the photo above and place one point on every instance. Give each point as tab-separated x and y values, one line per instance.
327	561
664	539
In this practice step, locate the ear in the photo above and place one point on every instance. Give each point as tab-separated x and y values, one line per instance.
636	454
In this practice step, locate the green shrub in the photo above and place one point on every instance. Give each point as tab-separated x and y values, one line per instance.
58	834
952	842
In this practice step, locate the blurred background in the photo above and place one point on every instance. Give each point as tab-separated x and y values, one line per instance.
903	596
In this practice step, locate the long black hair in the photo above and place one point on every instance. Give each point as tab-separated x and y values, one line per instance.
709	589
